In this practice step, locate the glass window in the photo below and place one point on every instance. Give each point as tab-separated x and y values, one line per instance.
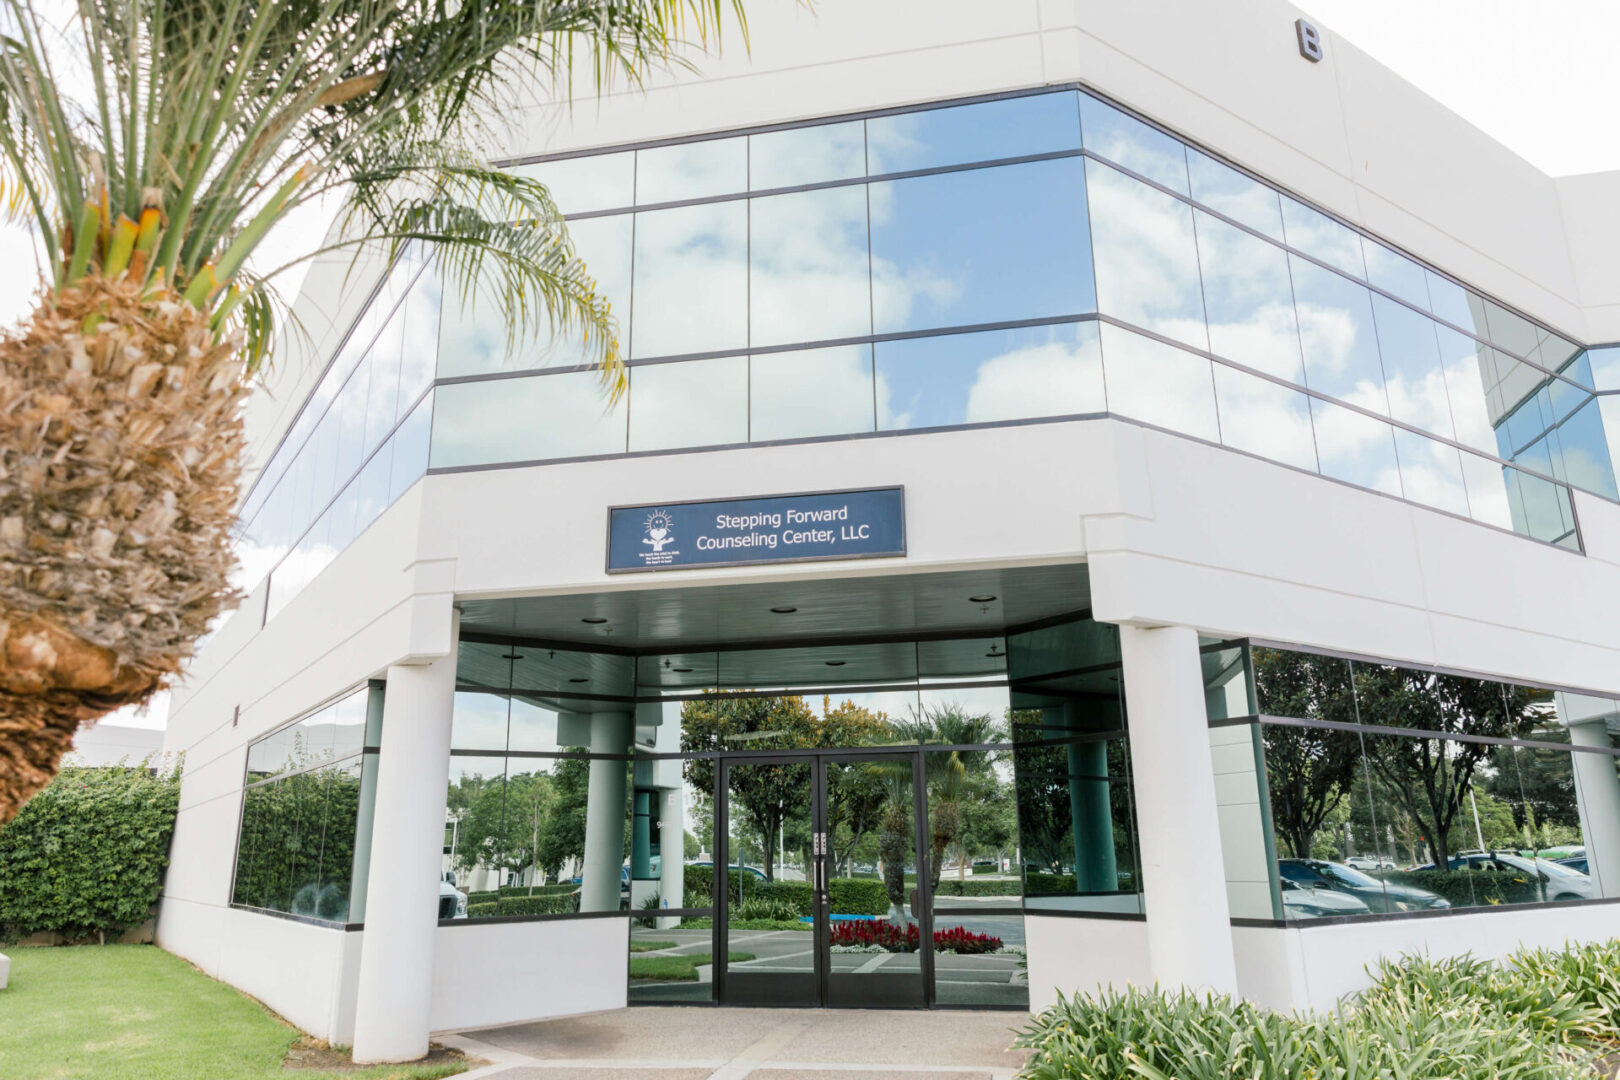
806	155
1431	472
1414	378
1227	191
693	170
410	449
986	131
475	834
1605	363
479	718
1510	331
473	335
371	489
580	185
1321	237
1455	304
383	392
985	377
531	419
1339	338
1264	418
1355	448
797	395
1021	254
1587	460
1159	384
1487	491
1139	147
1395	273
809	276
1543	511
695	403
1467	367
1146	255
421	350
691	280
1250	299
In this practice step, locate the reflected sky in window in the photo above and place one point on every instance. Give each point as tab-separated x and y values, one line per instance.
807	155
691	280
1147	256
1143	149
809	275
1250	299
1263	418
811	392
1339	339
531	419
986	131
1159	384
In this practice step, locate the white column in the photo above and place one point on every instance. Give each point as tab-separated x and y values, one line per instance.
672	851
1183	876
1597	793
611	733
402	895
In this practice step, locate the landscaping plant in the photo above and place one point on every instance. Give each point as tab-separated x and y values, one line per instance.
194	126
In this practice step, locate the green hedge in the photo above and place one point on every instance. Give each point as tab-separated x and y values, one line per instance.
857	896
970	887
87	854
1472	888
795	893
562	904
567	888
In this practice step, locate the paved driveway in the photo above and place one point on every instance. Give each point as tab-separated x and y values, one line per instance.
682	1043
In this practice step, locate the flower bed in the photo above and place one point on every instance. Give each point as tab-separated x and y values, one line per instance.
865	934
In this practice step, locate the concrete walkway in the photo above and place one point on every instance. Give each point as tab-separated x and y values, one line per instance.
677	1043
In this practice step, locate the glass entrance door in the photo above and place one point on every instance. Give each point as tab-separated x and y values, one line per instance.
821	904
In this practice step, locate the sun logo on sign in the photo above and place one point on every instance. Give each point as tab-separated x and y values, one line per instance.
658	530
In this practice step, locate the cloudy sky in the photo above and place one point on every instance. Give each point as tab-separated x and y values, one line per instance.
1536	76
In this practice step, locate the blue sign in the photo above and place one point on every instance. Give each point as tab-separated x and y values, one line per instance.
778	528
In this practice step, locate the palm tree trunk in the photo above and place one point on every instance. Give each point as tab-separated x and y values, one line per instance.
120	451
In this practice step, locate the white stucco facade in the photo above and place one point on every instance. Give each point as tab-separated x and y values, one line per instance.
1181	538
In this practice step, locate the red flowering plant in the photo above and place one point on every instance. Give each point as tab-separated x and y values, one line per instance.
886	935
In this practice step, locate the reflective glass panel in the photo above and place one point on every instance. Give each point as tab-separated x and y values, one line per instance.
582	184
1355	448
1159	384
1467	370
1227	191
1146	255
986	131
795	395
475	837
1264	418
1431	472
1605	362
1022	253
421	351
806	155
1321	237
984	377
1250	299
1139	147
409	448
1395	273
532	419
1339	337
1487	491
691	280
809	275
693	403
1587	460
1455	304
1413	375
1245	854
1510	331
691	170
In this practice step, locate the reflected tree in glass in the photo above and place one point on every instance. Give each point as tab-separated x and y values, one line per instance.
1309	770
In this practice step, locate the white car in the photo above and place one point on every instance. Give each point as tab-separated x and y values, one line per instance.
1302	903
1367	863
452	901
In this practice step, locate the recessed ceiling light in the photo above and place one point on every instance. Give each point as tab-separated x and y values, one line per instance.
593	619
511	656
835	663
996	655
578	678
783	610
682	670
982	598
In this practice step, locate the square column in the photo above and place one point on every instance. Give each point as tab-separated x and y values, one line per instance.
1189	927
395	994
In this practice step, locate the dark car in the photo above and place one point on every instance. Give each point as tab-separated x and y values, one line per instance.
1577	863
1554	880
1377	895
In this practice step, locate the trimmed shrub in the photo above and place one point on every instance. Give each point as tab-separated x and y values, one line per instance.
759	909
857	896
970	887
562	904
86	855
560	889
486	910
700	879
1472	888
790	894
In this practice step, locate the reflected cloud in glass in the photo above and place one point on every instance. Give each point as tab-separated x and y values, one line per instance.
1147	256
1159	384
692	403
1250	299
1227	191
807	155
1339	338
1139	147
986	131
691	280
810	392
1355	448
532	419
691	170
809	274
1264	418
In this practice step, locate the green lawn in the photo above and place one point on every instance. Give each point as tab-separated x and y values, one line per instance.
675	968
650	946
134	1012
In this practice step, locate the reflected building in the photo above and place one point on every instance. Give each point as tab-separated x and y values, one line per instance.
1056	533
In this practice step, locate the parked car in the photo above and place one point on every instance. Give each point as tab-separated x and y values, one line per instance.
1577	863
624	887
452	901
1377	895
760	874
1302	903
1557	882
1370	862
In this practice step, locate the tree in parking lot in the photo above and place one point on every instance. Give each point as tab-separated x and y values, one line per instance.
1308	770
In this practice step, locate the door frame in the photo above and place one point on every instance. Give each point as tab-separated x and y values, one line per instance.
820	904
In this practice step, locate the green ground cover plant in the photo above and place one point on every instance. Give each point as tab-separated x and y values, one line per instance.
1539	1015
650	946
135	1012
676	968
85	857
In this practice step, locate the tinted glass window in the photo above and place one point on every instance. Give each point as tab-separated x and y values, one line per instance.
1339	338
691	280
694	403
1264	418
1320	237
1147	256
1159	384
1227	191
1250	299
582	184
987	131
796	395
1355	448
1139	147
1414	378
691	170
809	275
532	419
806	155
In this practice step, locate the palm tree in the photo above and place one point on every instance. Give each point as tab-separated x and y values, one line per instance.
196	125
947	772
